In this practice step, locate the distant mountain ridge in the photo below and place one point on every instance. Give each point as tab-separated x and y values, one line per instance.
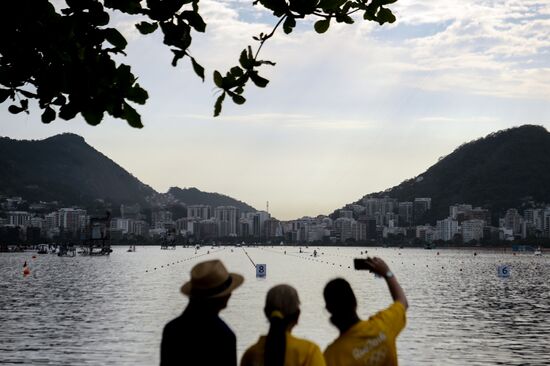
193	196
65	168
506	169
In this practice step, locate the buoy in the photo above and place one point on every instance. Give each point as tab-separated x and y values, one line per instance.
437	253
26	270
34	257
475	254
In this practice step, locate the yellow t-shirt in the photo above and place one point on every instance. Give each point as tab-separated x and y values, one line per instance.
370	342
299	352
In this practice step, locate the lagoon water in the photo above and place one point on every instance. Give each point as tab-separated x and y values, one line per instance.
111	310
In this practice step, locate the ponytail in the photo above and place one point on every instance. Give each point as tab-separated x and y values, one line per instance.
275	343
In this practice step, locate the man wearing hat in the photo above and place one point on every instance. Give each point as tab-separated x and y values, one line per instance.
198	336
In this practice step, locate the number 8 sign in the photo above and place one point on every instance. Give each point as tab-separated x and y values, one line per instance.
261	270
503	271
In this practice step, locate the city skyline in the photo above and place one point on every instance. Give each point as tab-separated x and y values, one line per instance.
389	100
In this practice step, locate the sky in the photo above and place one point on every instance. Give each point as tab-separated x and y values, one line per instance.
353	111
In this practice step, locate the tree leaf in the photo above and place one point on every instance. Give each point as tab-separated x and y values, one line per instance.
238	99
258	80
137	94
237	71
385	16
195	20
4	94
321	26
289	24
114	37
60	100
146	28
27	94
244	60
132	116
218	105
93	117
48	115
178	54
199	70
15	109
330	4
218	79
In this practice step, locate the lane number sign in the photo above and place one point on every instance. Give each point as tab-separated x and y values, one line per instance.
261	270
503	270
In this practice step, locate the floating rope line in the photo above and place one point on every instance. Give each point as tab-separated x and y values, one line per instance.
183	260
314	259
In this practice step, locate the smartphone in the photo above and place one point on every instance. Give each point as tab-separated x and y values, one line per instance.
361	264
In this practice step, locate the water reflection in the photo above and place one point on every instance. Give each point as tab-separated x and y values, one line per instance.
111	310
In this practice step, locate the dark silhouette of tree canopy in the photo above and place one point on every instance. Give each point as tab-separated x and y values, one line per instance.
64	59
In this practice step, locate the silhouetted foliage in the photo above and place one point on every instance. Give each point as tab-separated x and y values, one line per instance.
65	61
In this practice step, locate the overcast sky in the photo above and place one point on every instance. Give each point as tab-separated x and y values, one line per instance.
354	111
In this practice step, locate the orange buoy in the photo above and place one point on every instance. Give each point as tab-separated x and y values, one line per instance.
26	269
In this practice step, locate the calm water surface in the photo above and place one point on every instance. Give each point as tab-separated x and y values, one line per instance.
111	310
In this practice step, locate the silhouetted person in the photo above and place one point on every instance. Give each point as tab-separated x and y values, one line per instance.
364	342
198	336
279	347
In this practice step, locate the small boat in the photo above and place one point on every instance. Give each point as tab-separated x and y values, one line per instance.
42	249
538	252
429	246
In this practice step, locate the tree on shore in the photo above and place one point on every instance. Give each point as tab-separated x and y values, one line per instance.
64	60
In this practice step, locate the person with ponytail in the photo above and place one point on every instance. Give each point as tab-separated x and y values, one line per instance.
279	347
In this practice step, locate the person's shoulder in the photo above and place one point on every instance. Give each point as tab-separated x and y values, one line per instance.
173	324
254	353
301	343
396	309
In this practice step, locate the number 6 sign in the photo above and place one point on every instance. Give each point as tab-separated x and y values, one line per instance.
261	270
503	271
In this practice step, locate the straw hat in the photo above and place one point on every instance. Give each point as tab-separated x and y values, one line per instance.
211	279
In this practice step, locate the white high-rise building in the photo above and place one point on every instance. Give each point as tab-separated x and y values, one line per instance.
19	218
202	212
227	219
446	229
472	230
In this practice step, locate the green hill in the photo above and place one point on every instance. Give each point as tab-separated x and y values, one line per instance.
505	169
65	168
193	196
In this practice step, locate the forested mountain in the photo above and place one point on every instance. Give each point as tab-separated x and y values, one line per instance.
193	196
66	169
509	168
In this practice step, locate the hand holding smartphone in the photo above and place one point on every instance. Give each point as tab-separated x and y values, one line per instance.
362	264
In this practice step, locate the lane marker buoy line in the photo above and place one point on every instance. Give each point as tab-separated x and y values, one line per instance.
314	259
182	260
251	261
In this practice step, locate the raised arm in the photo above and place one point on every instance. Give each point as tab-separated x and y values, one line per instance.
380	267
